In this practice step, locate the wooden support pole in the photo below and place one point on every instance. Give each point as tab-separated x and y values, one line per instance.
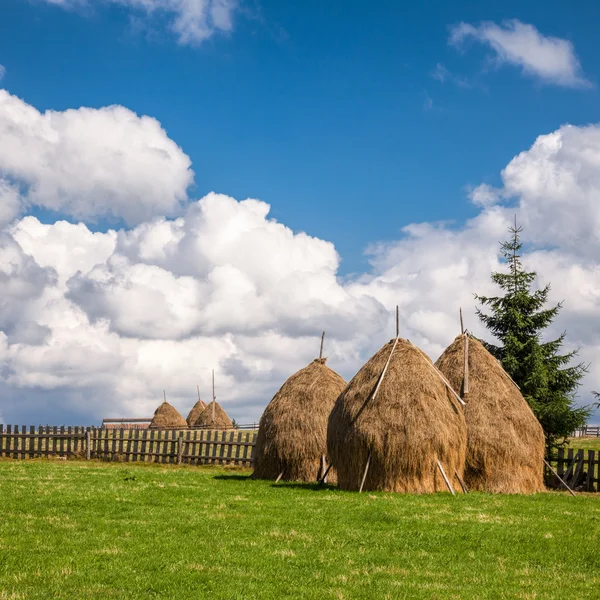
462	327
558	477
439	464
397	322
322	340
88	445
462	483
279	477
384	370
198	388
364	477
164	396
466	372
214	398
439	374
324	478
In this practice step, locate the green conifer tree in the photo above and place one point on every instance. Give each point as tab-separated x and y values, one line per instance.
517	319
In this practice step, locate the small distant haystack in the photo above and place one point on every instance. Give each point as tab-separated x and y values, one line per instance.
195	412
167	417
505	441
213	416
292	434
402	419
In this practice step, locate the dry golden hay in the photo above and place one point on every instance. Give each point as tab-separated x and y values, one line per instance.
413	422
195	412
505	442
167	417
292	434
220	421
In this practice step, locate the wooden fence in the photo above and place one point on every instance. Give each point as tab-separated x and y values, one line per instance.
198	446
579	468
587	431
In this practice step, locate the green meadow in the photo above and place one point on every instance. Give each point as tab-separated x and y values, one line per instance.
74	529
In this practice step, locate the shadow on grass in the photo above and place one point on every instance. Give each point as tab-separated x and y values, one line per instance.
233	477
312	487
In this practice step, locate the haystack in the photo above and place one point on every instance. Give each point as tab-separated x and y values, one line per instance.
292	434
167	417
405	424
505	442
195	412
220	420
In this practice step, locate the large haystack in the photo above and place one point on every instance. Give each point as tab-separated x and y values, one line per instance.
195	412
292	434
411	423
167	417
219	421
505	442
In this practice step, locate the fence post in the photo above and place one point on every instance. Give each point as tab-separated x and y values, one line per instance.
88	444
179	447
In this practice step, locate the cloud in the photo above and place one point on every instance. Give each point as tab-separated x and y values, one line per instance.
551	59
2	72
91	163
97	324
192	21
557	184
443	75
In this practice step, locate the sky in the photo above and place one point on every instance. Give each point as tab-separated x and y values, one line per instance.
197	184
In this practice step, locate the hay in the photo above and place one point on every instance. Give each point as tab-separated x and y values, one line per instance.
292	434
195	412
505	442
412	422
221	420
167	417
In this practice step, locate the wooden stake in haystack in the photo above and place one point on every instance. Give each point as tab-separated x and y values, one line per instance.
397	385
505	444
466	357
167	417
292	434
213	415
214	397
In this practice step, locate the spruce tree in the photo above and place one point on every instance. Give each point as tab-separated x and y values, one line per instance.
517	319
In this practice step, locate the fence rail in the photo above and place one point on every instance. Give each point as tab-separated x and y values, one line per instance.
125	423
587	431
196	446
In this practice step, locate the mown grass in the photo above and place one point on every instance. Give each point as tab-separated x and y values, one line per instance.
91	530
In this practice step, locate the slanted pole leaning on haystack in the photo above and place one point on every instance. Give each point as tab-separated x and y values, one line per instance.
505	442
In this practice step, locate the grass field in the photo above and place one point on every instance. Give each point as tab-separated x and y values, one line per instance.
591	443
92	530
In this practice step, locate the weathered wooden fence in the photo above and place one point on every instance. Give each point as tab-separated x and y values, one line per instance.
587	431
197	446
579	469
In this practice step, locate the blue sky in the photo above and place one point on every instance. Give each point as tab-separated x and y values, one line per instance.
329	113
402	139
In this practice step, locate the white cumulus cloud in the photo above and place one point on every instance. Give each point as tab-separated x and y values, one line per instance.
549	58
97	324
92	163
